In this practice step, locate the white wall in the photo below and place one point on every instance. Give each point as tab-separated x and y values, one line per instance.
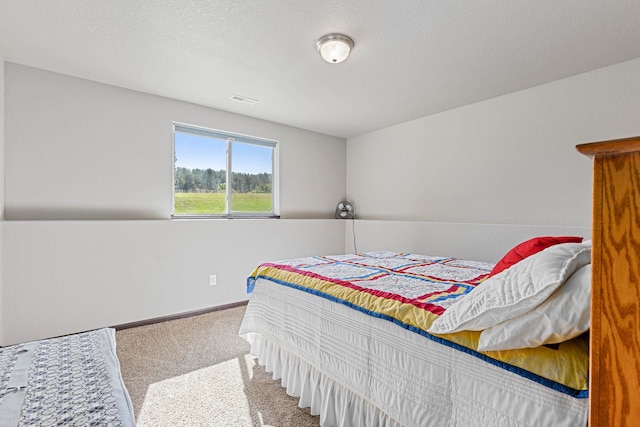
480	242
77	149
2	168
1	181
87	240
508	160
67	276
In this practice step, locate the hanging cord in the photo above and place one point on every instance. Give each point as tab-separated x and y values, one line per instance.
353	229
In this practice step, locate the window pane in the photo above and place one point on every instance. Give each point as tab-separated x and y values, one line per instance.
223	174
251	178
200	174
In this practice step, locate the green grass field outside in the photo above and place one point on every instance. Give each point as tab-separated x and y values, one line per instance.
213	203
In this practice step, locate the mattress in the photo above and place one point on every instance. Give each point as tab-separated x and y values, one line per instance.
356	364
73	381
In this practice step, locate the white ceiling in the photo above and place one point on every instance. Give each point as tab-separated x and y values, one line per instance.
411	58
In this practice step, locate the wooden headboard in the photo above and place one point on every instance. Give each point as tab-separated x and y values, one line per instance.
614	389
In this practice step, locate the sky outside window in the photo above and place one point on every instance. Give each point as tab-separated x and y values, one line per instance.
201	152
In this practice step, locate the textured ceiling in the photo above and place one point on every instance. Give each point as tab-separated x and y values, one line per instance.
411	58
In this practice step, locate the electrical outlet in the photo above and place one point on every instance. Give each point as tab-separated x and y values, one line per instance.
213	280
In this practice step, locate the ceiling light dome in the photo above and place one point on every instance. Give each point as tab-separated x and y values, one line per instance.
334	48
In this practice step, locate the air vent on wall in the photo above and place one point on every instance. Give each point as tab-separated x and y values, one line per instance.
244	99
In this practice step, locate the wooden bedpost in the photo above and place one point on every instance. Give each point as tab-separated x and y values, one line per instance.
614	390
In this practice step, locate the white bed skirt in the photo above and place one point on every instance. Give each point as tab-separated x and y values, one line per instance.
353	369
335	403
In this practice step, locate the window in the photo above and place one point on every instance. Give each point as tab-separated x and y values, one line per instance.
220	174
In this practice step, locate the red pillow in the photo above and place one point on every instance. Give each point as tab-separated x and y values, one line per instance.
529	248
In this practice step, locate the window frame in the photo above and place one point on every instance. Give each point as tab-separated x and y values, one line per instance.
229	137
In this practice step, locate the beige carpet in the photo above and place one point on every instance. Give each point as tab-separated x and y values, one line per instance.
197	372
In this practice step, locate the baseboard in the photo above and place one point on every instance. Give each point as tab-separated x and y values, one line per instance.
179	315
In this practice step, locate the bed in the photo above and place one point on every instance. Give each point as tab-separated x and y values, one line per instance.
359	339
72	381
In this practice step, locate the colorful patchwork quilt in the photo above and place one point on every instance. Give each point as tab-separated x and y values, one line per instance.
412	291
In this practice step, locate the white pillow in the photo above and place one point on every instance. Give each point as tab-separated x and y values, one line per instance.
564	315
514	291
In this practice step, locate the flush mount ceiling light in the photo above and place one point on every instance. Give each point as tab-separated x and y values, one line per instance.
334	48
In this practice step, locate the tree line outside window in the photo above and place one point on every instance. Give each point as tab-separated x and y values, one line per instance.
212	181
